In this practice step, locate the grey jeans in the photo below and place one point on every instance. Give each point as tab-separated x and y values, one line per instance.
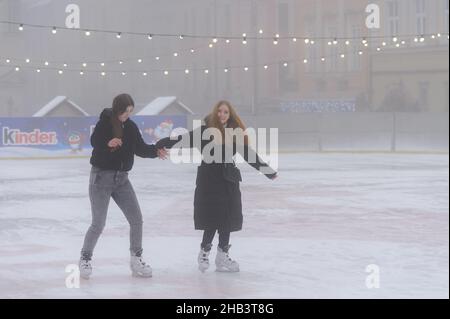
104	185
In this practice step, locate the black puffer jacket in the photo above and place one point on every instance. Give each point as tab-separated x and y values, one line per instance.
217	200
121	159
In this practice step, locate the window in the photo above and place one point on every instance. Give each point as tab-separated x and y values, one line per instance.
186	21
421	17
227	80
446	15
393	17
342	85
312	59
446	99
311	51
227	17
423	95
283	18
193	20
321	85
355	61
288	77
208	19
195	81
12	12
333	52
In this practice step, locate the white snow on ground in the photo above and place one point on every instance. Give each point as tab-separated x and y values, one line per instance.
309	234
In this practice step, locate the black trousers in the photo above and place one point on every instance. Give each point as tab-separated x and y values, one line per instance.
208	236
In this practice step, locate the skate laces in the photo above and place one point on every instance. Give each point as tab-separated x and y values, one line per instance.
142	263
204	256
85	264
228	258
226	250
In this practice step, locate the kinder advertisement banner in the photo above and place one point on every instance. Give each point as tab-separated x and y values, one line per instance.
65	137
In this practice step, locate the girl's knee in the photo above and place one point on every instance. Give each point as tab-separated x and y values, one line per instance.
97	228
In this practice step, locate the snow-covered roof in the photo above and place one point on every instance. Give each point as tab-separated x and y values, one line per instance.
159	104
53	104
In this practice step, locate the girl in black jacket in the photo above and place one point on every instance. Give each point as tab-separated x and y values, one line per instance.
116	140
217	202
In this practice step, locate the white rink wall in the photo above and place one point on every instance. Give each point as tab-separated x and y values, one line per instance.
359	132
326	132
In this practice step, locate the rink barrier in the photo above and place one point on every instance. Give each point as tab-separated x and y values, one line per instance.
359	132
408	133
69	137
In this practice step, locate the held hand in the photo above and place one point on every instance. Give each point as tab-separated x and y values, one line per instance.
162	153
115	143
274	177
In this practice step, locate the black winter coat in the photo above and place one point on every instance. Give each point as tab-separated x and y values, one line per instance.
121	159
217	201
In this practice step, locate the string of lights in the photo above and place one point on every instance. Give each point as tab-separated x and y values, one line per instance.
376	42
285	63
214	38
395	42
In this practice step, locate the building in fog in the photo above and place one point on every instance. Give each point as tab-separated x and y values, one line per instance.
413	77
61	106
165	105
335	71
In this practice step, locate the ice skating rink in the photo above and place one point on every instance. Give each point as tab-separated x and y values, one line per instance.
309	234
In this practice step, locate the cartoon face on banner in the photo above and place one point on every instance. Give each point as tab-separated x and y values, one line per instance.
75	140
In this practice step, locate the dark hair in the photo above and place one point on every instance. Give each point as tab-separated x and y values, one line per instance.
121	103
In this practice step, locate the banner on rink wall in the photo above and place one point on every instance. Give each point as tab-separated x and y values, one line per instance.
313	106
70	136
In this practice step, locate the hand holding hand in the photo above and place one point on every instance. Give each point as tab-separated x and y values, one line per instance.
115	142
162	153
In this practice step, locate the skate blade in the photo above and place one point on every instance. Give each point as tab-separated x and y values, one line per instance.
140	275
221	269
203	268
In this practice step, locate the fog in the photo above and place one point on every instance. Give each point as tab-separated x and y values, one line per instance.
410	78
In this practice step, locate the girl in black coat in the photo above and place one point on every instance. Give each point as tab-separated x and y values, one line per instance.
217	202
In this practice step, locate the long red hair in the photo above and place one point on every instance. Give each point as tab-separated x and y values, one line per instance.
212	120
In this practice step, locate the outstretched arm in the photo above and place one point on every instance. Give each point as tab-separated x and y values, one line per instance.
148	151
144	150
183	141
253	159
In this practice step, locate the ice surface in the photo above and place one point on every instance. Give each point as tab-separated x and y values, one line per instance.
309	234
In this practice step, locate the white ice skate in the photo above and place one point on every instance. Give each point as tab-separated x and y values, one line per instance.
224	263
139	268
203	259
85	268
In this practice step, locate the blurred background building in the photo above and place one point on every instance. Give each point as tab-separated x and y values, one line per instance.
412	77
